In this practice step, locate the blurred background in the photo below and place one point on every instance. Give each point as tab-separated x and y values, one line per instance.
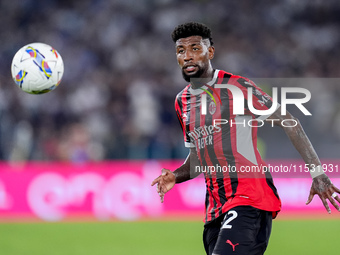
116	99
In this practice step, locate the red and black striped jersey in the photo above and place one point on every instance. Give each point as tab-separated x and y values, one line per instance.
226	143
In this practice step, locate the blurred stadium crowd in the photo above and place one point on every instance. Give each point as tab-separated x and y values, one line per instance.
121	77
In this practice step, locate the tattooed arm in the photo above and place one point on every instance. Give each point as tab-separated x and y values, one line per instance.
322	185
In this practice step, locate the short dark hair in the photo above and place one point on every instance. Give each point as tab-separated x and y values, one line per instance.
191	29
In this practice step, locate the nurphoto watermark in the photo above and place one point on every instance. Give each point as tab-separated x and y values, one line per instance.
235	110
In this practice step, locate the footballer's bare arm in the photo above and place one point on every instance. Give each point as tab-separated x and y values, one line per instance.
297	136
322	185
167	180
187	171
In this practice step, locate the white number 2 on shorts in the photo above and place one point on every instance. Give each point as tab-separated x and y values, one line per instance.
232	217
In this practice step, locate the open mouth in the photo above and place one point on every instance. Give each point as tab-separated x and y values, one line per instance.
190	68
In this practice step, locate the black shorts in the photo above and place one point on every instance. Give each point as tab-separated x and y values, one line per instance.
242	230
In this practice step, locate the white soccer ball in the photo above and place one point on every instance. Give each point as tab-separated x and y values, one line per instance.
37	68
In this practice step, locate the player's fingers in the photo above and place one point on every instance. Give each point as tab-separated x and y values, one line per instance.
337	199
160	186
336	189
155	180
334	203
325	204
310	198
163	189
163	186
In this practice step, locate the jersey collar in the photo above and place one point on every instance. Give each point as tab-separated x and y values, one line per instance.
210	83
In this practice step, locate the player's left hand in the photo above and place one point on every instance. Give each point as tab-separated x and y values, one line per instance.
324	188
165	182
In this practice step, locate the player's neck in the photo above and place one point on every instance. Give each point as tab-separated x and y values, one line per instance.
204	79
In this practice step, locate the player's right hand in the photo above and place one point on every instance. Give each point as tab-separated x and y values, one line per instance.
165	182
324	188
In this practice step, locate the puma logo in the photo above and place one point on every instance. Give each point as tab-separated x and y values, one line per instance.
232	245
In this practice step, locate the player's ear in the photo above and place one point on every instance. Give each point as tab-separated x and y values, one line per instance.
211	50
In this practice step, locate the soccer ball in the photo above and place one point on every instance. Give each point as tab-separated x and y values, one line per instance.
37	68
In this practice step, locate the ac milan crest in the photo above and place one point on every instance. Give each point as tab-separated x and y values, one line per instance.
212	107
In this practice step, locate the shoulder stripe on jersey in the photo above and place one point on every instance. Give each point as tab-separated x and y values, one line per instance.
181	106
187	110
196	122
227	143
179	113
219	182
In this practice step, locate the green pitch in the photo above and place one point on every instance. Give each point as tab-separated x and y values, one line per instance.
166	238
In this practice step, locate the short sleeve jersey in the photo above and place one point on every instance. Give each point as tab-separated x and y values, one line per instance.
220	125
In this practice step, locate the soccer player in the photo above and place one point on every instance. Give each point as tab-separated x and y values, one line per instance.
239	205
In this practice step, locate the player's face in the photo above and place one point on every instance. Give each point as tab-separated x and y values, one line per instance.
193	56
